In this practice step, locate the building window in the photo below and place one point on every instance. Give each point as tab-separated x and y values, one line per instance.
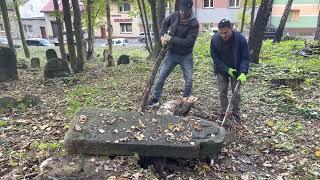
126	27
1	28
234	3
208	3
125	7
294	15
27	28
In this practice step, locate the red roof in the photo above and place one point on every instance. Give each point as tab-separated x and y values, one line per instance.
49	7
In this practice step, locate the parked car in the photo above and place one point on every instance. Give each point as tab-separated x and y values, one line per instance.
38	42
270	32
4	42
141	37
213	31
119	42
56	41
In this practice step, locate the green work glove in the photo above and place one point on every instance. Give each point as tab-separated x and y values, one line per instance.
231	72
242	78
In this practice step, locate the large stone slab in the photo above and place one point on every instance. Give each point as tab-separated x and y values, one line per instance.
96	131
56	68
8	64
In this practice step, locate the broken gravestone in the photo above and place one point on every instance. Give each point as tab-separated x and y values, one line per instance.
30	100
7	102
123	59
51	54
97	131
8	64
35	63
56	68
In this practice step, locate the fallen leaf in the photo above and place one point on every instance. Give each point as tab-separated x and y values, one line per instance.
269	123
141	124
139	137
267	164
101	131
77	127
170	126
44	127
317	154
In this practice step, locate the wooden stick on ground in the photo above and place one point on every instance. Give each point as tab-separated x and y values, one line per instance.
229	103
152	77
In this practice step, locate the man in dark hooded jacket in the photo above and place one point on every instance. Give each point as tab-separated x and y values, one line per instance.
184	29
229	50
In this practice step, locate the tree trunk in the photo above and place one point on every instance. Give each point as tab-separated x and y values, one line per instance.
69	34
78	34
22	36
253	10
110	60
147	89
243	14
256	38
155	27
283	21
6	22
60	30
161	11
176	5
317	35
90	30
147	24
144	27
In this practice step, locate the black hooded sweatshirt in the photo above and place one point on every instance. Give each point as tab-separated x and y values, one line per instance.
183	33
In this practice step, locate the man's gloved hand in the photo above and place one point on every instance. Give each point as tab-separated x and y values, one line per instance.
242	78
231	72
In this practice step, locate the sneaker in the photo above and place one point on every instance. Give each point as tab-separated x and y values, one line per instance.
153	103
236	118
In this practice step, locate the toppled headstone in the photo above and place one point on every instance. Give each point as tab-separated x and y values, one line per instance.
7	102
123	59
35	63
56	68
51	54
8	65
96	131
30	100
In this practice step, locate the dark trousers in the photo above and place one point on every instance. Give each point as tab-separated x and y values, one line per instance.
223	86
170	62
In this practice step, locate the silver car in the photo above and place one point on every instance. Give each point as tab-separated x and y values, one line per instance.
141	37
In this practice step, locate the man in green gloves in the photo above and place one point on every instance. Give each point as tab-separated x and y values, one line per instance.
229	50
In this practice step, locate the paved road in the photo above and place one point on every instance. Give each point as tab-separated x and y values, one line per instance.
100	42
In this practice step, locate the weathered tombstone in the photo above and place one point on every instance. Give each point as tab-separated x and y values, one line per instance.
105	55
7	102
96	131
56	68
30	100
8	64
35	63
123	59
50	54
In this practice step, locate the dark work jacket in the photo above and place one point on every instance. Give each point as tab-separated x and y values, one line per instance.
240	52
183	34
